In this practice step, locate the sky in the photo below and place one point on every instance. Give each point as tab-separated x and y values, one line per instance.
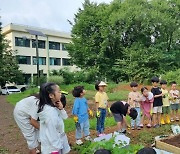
50	14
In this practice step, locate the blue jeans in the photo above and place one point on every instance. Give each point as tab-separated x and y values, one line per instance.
84	128
101	120
137	121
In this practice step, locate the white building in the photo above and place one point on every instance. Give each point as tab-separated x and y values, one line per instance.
52	49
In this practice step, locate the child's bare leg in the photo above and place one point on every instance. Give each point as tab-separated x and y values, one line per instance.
177	117
119	126
159	118
149	120
176	113
142	120
154	118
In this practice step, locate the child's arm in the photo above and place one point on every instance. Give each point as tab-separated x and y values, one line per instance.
154	93
129	99
155	96
97	102
63	114
125	121
75	109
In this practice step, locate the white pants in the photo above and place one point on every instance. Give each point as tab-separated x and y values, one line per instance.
30	133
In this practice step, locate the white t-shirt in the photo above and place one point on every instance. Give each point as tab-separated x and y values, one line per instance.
28	106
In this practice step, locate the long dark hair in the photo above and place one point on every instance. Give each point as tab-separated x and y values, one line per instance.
45	90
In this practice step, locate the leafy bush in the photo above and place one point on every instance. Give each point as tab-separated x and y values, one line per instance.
172	76
42	79
110	145
76	77
56	79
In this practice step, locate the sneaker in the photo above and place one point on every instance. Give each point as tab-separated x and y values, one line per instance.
132	128
141	125
79	142
177	119
156	126
172	120
88	138
148	125
124	132
138	128
100	135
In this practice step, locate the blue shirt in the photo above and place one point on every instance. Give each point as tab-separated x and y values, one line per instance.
80	108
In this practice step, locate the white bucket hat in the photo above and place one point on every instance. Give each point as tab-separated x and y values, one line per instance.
102	84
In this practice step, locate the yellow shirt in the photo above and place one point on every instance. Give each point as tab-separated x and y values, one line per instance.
102	99
165	98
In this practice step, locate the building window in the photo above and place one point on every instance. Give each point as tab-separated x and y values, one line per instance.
54	45
41	44
22	42
66	62
42	61
64	46
55	61
24	60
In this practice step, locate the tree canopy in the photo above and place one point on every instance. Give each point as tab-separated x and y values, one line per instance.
9	69
127	39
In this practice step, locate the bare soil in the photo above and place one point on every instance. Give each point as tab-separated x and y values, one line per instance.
13	142
173	141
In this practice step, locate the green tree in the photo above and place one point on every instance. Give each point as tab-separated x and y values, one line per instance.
9	69
127	39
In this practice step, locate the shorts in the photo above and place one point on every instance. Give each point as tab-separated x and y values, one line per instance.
166	109
118	117
174	106
157	109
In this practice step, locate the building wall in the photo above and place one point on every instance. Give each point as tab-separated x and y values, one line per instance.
11	31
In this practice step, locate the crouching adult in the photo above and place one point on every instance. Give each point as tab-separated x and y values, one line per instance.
25	115
119	110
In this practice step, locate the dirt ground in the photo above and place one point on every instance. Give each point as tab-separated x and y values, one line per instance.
173	141
12	140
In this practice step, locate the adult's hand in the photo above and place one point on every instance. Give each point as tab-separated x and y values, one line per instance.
34	123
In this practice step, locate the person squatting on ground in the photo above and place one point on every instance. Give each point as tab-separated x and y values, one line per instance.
146	106
25	115
51	114
80	111
119	110
165	118
157	104
101	100
174	101
134	99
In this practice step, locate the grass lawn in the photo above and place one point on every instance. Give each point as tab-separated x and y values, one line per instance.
90	93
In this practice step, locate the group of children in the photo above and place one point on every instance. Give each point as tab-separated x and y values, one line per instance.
155	105
44	113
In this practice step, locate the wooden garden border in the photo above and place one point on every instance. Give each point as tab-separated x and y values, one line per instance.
167	147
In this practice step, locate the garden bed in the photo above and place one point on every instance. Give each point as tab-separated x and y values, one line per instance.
171	144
